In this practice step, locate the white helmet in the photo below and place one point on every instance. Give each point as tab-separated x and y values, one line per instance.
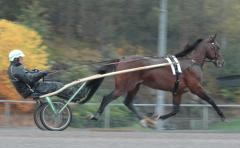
16	53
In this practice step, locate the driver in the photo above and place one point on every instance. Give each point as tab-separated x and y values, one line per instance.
28	83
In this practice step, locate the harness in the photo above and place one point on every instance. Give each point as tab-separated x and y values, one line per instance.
176	70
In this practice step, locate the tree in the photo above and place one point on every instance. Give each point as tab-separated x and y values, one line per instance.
11	9
15	36
34	16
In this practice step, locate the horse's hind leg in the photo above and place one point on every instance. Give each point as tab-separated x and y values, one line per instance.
106	100
128	101
176	106
203	95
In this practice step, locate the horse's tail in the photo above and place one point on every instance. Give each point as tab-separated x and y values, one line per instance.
93	85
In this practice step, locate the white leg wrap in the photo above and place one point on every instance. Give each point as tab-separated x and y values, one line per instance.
143	123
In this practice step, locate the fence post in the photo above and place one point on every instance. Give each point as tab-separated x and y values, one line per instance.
7	113
107	117
205	117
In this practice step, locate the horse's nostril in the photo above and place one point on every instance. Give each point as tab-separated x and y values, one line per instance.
222	64
219	63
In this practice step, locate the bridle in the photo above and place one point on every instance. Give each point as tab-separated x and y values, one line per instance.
214	47
214	60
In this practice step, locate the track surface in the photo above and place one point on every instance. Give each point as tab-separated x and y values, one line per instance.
77	138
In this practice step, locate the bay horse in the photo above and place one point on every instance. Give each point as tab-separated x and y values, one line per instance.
191	59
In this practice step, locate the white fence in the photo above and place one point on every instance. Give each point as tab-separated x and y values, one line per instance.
206	115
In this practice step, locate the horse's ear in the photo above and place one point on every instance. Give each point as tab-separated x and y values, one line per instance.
212	37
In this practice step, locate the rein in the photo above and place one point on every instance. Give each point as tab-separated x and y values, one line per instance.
194	60
143	58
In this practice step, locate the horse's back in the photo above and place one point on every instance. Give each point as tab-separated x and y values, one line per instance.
150	77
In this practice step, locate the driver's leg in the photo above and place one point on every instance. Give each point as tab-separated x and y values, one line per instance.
51	86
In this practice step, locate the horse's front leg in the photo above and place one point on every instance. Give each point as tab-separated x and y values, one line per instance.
106	100
200	92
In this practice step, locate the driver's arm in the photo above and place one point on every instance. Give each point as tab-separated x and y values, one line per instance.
27	76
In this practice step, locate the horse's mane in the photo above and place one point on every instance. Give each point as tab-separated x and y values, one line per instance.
189	48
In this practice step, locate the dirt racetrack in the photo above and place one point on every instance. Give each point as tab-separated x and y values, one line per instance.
82	138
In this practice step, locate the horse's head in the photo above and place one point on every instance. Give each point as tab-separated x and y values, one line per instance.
213	51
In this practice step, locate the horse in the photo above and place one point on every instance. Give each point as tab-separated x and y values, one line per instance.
191	59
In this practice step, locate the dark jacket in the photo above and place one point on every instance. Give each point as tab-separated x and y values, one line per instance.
23	79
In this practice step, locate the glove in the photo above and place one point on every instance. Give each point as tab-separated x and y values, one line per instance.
35	70
45	73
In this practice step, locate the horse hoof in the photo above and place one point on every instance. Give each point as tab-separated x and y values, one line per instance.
225	120
150	122
143	123
91	117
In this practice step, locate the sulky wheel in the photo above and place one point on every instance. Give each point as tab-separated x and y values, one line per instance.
37	118
56	121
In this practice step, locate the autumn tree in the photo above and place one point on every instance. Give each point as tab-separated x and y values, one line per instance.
15	36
